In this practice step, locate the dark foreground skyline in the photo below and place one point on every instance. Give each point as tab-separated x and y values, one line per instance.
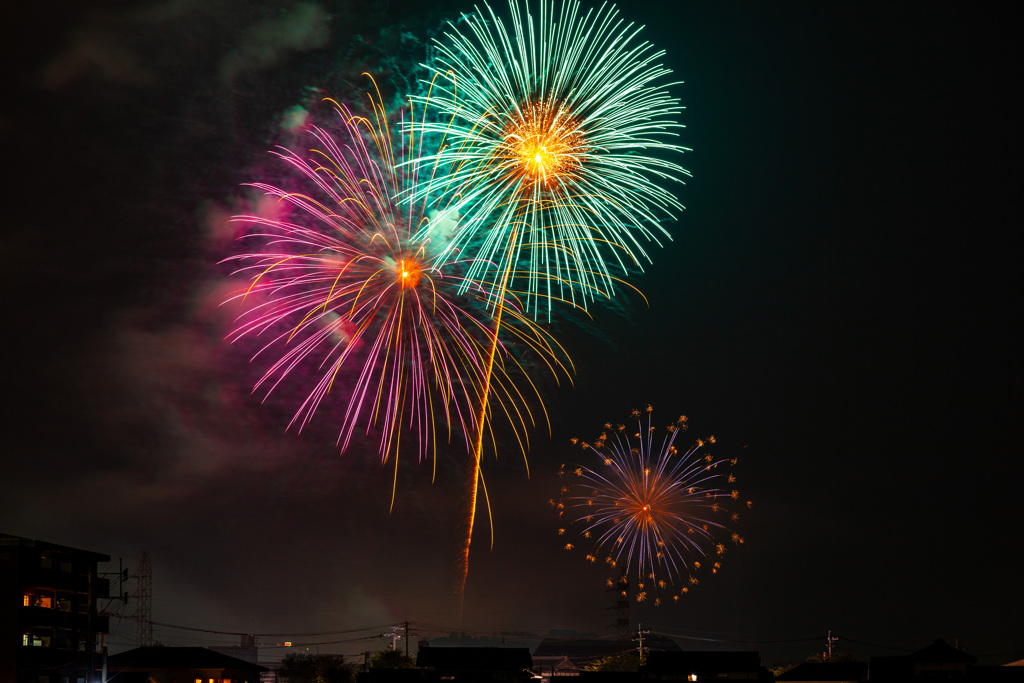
839	306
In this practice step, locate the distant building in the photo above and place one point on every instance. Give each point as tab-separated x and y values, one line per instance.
246	649
180	665
49	625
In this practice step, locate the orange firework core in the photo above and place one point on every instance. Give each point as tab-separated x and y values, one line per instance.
408	272
543	144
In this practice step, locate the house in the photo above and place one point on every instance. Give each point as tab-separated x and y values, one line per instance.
940	660
832	672
180	665
704	665
49	625
477	664
569	656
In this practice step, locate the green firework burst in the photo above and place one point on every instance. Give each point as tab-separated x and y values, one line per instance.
558	140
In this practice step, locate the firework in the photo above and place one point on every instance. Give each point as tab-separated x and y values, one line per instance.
343	295
557	145
654	513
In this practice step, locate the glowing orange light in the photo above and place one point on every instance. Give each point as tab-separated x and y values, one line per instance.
408	272
543	144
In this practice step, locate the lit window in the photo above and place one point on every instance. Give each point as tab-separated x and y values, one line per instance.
44	601
691	677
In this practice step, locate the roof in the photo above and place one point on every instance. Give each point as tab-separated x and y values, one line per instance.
579	649
129	677
826	671
941	651
10	540
584	650
705	660
150	658
474	658
610	677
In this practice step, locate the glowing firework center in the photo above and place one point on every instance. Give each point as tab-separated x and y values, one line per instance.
408	272
542	145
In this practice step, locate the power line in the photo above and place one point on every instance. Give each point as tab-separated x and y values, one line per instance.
262	635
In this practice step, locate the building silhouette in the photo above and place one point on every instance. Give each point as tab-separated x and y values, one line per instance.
49	624
180	665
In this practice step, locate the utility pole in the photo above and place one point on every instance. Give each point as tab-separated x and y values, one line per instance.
829	639
395	635
144	596
90	641
406	637
640	633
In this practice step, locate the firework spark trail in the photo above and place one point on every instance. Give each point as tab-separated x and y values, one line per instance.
544	157
655	512
476	474
556	124
343	282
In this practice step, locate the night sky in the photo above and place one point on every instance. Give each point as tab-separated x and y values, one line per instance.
839	306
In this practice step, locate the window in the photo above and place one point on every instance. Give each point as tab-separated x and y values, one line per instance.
65	567
46	562
33	600
64	604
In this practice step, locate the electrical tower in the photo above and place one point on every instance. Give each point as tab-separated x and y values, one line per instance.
621	589
144	601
